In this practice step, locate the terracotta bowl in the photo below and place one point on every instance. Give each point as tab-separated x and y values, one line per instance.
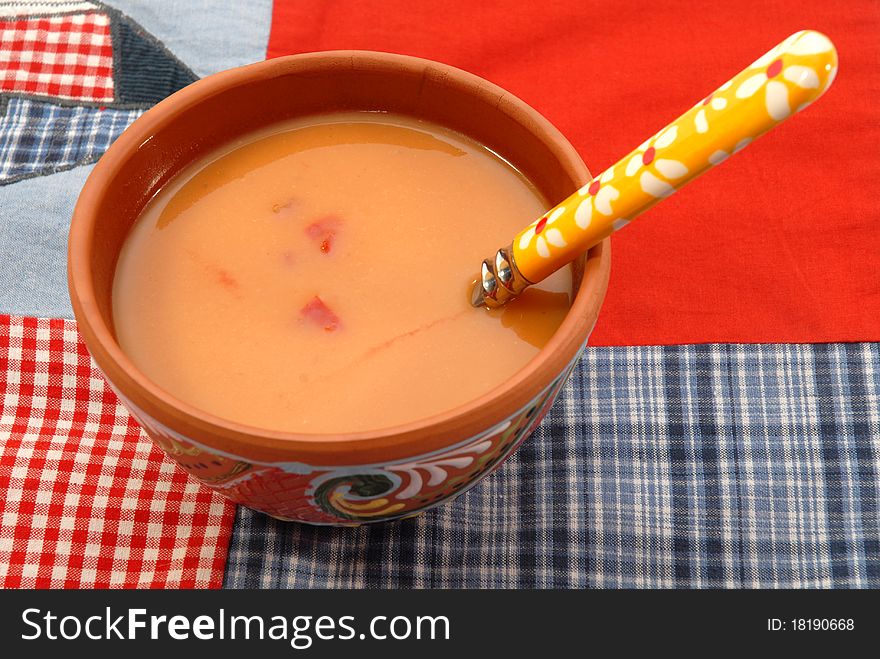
345	478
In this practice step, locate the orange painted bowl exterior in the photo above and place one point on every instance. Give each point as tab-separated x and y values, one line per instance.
328	479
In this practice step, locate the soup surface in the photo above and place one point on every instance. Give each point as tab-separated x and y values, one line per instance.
315	277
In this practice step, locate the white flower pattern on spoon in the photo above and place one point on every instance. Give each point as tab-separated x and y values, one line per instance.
645	162
544	236
775	77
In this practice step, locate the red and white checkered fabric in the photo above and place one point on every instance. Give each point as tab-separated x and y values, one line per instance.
67	56
86	500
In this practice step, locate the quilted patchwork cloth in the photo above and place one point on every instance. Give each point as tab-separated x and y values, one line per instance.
728	464
86	500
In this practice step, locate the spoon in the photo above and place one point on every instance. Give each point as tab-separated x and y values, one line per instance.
777	85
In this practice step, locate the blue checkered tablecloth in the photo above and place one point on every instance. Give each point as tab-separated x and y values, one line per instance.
686	466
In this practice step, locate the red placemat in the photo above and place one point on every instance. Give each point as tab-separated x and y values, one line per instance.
781	244
88	501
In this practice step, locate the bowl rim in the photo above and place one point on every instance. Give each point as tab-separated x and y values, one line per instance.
255	444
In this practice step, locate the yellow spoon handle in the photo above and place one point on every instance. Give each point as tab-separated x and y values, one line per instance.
780	83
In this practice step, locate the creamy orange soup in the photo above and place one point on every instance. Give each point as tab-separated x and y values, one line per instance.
315	277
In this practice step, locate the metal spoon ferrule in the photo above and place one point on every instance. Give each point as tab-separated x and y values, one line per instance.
500	280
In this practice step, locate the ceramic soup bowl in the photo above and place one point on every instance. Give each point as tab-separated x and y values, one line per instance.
345	478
